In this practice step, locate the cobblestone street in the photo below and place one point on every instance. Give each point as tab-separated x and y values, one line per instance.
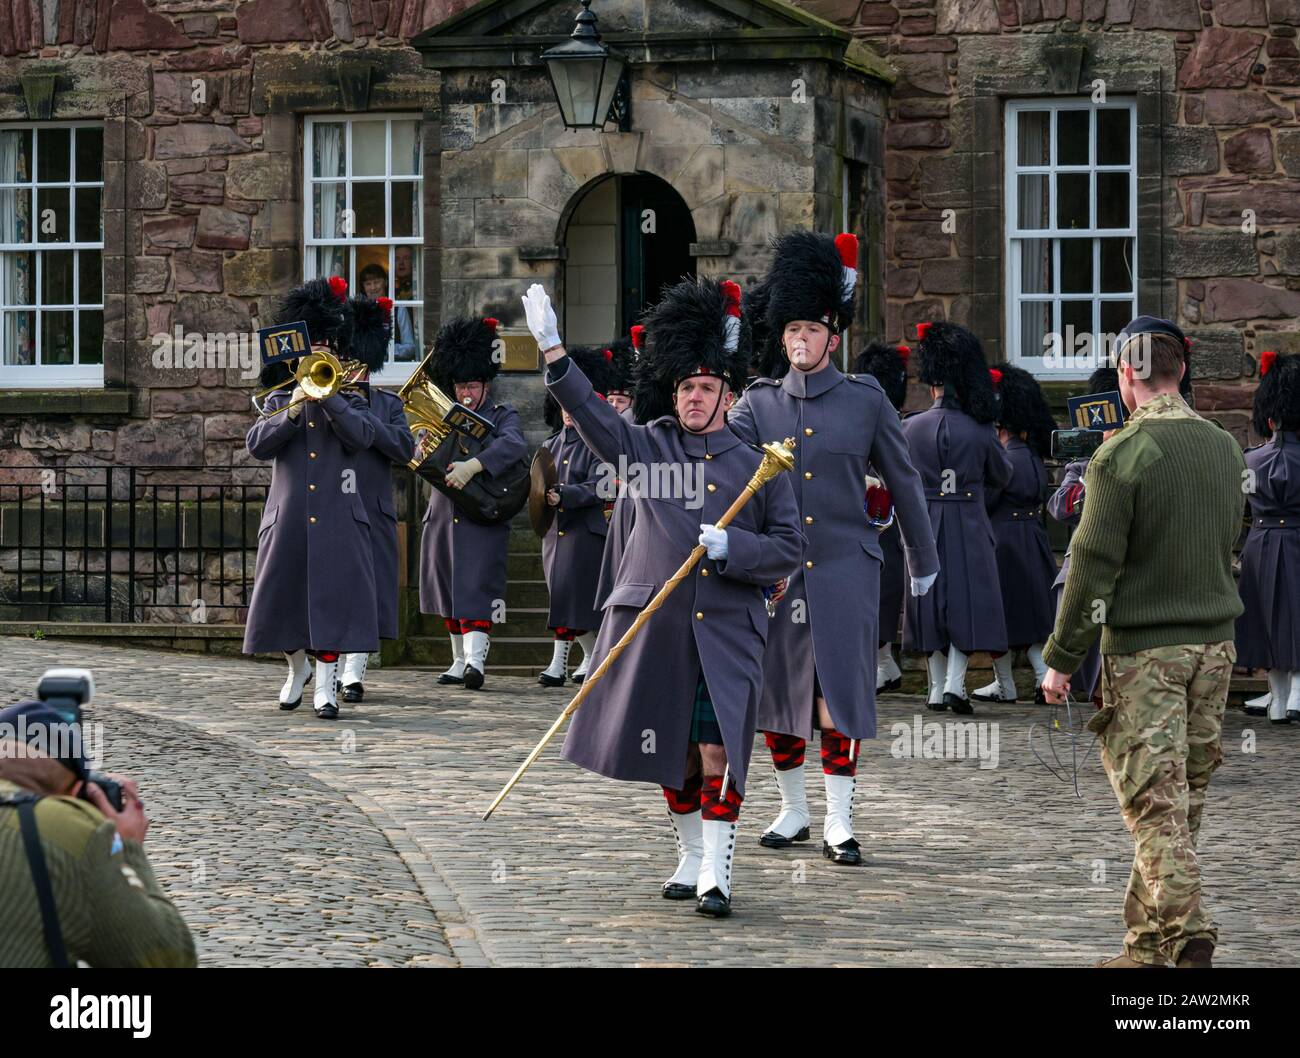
288	840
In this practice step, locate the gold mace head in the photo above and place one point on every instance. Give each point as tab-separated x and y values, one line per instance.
777	458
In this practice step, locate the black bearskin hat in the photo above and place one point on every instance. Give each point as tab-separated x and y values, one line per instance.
813	277
463	351
369	331
951	356
1278	394
693	330
1022	408
619	365
1103	380
596	362
766	360
887	364
322	305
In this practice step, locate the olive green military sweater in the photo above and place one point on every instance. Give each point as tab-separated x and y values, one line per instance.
1151	561
111	909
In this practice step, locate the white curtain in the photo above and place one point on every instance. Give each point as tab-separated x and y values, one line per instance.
15	280
1035	254
328	145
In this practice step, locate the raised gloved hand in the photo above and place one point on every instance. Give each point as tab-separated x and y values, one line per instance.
920	585
458	474
714	541
541	317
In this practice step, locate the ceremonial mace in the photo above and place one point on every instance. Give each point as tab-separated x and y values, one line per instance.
776	459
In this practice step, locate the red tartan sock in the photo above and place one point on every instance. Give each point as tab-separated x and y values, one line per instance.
453	625
836	750
715	806
686	800
787	750
476	626
326	656
564	635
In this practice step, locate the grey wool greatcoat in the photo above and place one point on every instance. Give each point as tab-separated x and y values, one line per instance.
636	724
828	621
315	583
393	444
574	545
1268	631
1026	568
1065	504
958	458
462	563
619	529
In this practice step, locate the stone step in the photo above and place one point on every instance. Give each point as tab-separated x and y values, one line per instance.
506	651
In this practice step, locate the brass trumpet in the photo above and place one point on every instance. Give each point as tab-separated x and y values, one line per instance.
321	374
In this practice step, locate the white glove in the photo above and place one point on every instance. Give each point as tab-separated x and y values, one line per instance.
458	474
920	585
714	541
295	408
541	317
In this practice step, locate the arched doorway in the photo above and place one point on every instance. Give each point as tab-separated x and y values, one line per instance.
627	238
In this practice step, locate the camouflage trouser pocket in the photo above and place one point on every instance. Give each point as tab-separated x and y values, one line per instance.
1101	719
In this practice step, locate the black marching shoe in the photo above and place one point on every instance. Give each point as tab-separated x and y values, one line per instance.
895	684
848	854
447	678
354	692
547	680
770	839
473	678
288	707
328	711
713	904
578	677
959	705
678	891
937	707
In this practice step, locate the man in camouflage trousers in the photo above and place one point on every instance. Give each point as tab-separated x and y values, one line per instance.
1152	563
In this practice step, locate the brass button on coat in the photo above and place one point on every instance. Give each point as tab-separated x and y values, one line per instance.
311	488
807	475
808	564
312	454
808	520
807	431
699	615
313	519
711	487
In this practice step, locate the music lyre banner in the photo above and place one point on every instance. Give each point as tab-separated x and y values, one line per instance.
284	341
1096	411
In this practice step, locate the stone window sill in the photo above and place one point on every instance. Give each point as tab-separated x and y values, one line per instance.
65	402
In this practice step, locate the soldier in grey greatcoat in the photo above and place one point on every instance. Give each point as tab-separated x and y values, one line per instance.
1026	567
314	589
368	340
463	563
819	669
679	705
955	448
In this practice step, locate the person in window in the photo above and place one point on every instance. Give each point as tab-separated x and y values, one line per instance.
374	285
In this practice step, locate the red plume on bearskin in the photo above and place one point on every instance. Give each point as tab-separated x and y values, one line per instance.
1266	361
490	323
339	287
905	352
922	329
996	376
638	337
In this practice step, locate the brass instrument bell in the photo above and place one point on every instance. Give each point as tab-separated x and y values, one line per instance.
321	374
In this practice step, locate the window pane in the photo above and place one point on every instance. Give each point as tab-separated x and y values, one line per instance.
15	155
1113	137
1032	209
56	277
367	148
1032	131
56	338
408	325
1114	316
1072	137
1072	201
16	215
17	279
368	206
406	209
372	272
1116	265
1112	200
1035	266
90	216
1076	266
327	149
406	148
1035	323
19	337
91	269
1076	325
328	260
54	155
407	276
90	325
90	154
54	222
327	211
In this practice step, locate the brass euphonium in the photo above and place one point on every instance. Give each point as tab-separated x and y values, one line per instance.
426	408
321	374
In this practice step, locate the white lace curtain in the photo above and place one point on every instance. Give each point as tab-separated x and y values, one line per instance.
16	280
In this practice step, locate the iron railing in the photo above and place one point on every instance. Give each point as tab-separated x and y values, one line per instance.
129	543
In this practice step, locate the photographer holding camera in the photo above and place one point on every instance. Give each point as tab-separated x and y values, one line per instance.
75	884
1151	564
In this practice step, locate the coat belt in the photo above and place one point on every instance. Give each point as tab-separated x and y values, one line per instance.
1275	523
1017	515
955	496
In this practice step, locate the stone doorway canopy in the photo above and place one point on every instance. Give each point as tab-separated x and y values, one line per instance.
761	117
